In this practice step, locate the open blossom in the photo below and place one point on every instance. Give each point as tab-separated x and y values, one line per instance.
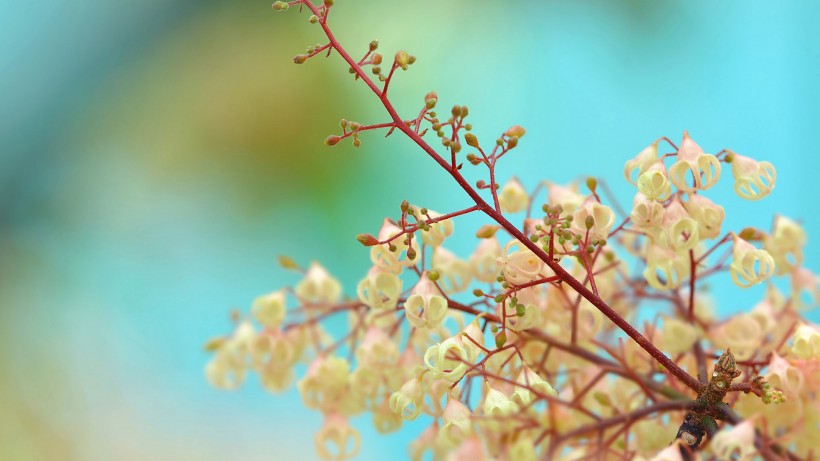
269	309
678	336
665	267
567	197
654	182
704	169
708	215
425	307
454	274
645	158
513	197
785	244
603	218
753	180
484	261
741	333
736	443
345	440
318	286
408	401
377	349
784	376
646	213
227	368
448	359
325	383
438	231
528	379
457	423
750	265
496	403
379	290
519	264
806	343
680	231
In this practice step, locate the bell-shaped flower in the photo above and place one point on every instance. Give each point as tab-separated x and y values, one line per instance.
425	307
377	349
654	182
680	232
438	231
567	197
753	180
476	339
708	215
269	309
646	213
806	343
665	267
522	450
386	260
227	368
496	403
741	333
379	290
750	265
678	336
457	425
513	197
325	382
737	443
276	380
784	376
704	168
454	273
785	244
527	382
602	220
641	162
448	360
471	449
408	401
385	419
484	260
337	440
367	383
805	288
519	265
318	286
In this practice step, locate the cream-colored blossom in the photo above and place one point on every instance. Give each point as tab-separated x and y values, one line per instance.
318	286
377	349
385	419
665	268
513	197
753	180
457	423
325	382
654	182
408	401
784	376
454	273
438	231
425	307
448	359
645	158
704	168
646	213
805	288
566	196
472	449
708	215
526	380
736	443
522	450
742	333
678	336
227	368
806	342
269	309
484	261
379	290
750	265
602	215
337	432
496	403
785	244
680	231
519	265
670	453
386	260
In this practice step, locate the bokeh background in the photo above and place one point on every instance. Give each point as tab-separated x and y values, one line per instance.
156	157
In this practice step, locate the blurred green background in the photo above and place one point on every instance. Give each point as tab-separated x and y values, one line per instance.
157	156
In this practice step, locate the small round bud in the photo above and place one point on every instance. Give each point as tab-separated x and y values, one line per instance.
512	142
411	253
376	70
300	58
499	298
478	293
456	111
376	59
423	211
373	45
332	140
280	6
592	183
515	130
405	205
328	3
433	276
468	127
402	59
357	142
589	222
313	19
500	339
520	310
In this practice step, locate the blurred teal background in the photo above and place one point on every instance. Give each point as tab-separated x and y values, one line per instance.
156	156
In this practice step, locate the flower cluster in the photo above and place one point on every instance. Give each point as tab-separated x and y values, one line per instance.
528	348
